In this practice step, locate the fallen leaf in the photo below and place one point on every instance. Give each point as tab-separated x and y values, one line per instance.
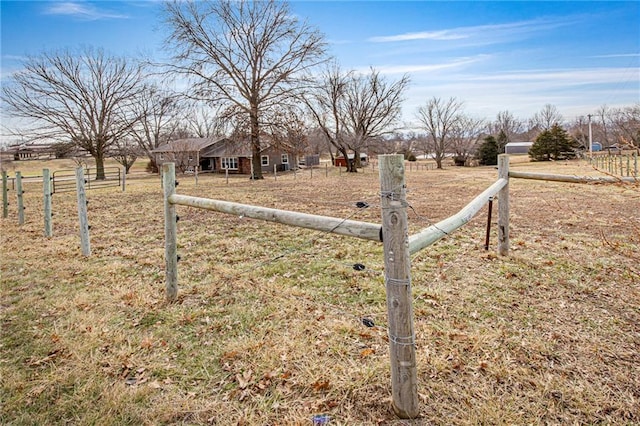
366	352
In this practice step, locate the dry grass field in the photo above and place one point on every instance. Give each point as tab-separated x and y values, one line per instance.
267	328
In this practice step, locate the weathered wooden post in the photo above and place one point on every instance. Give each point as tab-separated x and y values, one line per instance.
5	195
46	189
124	178
503	206
397	265
170	232
275	172
635	164
20	197
628	165
85	244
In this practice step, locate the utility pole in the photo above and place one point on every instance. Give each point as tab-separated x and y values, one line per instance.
590	138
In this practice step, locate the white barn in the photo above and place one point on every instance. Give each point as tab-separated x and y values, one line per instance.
517	147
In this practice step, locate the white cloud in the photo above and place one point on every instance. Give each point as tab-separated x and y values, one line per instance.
425	35
430	68
619	55
574	91
82	11
481	34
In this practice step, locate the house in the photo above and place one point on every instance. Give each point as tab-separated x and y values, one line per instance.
340	161
517	147
220	155
32	152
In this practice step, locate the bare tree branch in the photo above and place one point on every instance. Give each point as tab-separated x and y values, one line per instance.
86	98
251	55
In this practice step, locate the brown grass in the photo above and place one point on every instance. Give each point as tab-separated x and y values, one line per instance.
268	326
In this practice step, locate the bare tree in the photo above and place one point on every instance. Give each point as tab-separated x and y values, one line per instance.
287	129
250	54
159	110
126	151
86	98
439	118
546	118
579	130
373	108
204	120
507	123
325	104
626	126
465	136
354	109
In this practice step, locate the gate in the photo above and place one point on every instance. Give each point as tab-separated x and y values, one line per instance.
65	180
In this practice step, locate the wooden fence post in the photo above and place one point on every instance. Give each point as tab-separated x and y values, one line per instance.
85	244
5	195
503	206
124	178
628	165
397	264
170	232
20	196
46	189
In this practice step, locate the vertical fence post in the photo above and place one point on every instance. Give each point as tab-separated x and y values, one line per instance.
124	178
20	196
635	163
275	172
5	195
85	244
46	189
397	264
170	231
503	206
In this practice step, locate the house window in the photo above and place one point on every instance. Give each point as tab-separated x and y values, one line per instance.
264	160
230	163
285	159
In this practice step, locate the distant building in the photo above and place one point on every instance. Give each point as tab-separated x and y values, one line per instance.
341	162
220	155
517	147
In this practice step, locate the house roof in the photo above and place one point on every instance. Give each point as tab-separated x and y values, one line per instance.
210	147
519	144
227	148
186	145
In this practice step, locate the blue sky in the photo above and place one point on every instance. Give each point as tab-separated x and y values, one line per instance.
494	56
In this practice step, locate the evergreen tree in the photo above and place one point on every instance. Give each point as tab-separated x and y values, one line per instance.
488	152
553	144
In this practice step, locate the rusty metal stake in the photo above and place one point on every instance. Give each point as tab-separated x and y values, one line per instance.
486	240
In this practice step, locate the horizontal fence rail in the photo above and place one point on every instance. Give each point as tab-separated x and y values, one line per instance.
572	179
351	228
433	233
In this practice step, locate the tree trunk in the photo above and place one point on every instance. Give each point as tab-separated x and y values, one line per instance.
255	144
99	167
